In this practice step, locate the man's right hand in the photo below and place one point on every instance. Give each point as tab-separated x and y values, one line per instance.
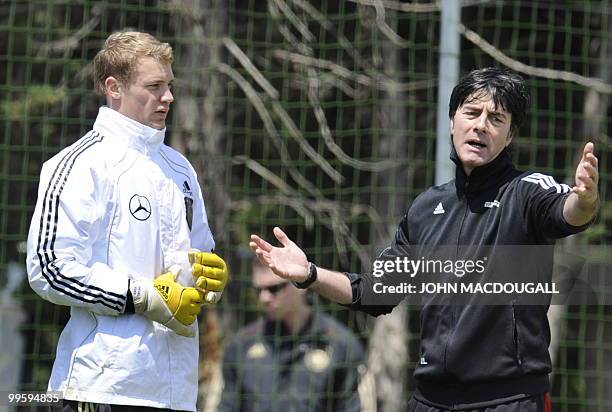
167	302
288	262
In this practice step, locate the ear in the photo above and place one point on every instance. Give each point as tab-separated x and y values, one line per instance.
452	127
112	88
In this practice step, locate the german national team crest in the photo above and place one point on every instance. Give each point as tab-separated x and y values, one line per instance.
317	360
189	211
257	351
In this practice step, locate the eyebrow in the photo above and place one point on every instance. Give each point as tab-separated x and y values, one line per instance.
158	80
153	81
494	113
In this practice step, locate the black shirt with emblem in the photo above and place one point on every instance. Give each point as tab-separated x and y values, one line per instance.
476	355
266	368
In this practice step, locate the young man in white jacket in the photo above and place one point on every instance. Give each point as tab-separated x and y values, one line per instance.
120	234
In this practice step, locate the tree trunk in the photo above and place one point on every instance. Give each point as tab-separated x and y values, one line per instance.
198	133
388	357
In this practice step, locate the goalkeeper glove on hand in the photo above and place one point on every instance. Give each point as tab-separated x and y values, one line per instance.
167	302
209	274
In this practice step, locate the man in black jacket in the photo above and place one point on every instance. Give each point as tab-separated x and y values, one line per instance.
473	356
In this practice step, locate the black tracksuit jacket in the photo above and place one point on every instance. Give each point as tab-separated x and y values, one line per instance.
477	355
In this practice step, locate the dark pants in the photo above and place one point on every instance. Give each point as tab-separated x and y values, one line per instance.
76	406
536	403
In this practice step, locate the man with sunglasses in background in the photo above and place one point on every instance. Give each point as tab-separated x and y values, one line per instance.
292	358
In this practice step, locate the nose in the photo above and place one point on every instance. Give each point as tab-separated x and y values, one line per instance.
481	122
167	97
265	296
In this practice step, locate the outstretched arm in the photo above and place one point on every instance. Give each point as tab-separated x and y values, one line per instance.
290	262
581	205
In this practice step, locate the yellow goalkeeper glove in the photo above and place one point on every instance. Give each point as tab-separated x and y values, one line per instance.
210	274
167	302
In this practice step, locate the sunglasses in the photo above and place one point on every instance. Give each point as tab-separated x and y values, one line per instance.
273	289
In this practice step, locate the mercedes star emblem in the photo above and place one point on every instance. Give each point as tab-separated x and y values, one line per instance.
140	207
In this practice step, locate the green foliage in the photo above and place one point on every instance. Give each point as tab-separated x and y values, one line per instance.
35	99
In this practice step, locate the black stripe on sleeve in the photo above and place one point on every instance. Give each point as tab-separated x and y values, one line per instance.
48	230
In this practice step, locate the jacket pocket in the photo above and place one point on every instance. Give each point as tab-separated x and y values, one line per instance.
517	335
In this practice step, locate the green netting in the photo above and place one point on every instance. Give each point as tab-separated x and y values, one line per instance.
319	116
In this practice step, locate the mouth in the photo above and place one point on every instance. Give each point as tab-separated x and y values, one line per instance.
476	144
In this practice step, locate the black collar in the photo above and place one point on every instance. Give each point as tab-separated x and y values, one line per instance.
482	177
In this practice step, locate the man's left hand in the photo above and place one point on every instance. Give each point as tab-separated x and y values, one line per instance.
210	274
587	177
582	203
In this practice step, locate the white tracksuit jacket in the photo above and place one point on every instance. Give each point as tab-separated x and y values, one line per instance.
112	206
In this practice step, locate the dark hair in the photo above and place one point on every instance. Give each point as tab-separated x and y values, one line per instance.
507	89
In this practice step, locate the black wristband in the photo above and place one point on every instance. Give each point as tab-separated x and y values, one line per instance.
312	277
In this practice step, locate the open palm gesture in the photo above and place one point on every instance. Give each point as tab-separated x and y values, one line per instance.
587	176
288	261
